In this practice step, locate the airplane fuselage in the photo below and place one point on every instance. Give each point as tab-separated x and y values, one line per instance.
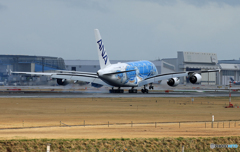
143	70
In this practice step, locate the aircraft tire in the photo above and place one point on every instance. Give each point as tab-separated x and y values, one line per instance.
132	91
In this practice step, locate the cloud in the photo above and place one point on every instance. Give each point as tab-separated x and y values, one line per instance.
131	30
2	7
86	4
207	2
197	3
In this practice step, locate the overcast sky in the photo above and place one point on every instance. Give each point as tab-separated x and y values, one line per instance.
130	29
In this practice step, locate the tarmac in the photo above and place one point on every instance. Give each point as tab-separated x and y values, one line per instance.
90	92
79	94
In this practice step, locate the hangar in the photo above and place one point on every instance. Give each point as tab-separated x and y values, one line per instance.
27	63
229	68
193	61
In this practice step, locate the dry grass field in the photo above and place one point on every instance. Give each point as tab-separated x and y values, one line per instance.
31	112
119	145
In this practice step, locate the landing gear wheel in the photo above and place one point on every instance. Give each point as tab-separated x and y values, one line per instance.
132	91
150	87
144	90
116	91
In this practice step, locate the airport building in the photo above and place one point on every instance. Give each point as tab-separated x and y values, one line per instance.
229	68
193	61
26	63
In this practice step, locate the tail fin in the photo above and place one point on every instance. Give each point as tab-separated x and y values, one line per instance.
102	54
231	79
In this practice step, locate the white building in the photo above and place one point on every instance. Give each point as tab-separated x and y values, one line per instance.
192	61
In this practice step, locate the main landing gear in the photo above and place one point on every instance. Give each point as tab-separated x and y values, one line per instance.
144	90
116	90
132	90
151	86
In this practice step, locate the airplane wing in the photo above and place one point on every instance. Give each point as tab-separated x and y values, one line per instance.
79	72
32	73
171	75
93	78
160	77
70	75
61	72
206	71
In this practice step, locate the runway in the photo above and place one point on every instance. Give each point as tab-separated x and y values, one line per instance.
73	91
78	94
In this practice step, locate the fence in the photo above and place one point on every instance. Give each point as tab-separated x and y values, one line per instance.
183	124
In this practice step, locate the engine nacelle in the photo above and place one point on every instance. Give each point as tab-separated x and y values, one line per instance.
96	85
195	78
66	82
173	82
62	82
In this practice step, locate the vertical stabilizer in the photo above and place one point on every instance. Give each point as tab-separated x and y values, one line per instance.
102	54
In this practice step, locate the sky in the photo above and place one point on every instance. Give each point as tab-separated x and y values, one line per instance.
130	29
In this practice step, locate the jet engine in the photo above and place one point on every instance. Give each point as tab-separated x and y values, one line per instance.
173	82
66	82
96	85
195	78
62	82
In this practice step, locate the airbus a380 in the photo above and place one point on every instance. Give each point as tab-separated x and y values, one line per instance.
130	74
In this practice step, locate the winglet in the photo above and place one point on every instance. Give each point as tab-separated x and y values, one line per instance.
102	54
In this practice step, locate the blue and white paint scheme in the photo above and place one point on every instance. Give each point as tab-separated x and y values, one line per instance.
140	71
130	74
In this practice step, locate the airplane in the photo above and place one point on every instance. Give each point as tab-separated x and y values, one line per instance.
120	75
234	82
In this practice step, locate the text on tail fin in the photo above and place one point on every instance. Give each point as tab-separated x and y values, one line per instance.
101	49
